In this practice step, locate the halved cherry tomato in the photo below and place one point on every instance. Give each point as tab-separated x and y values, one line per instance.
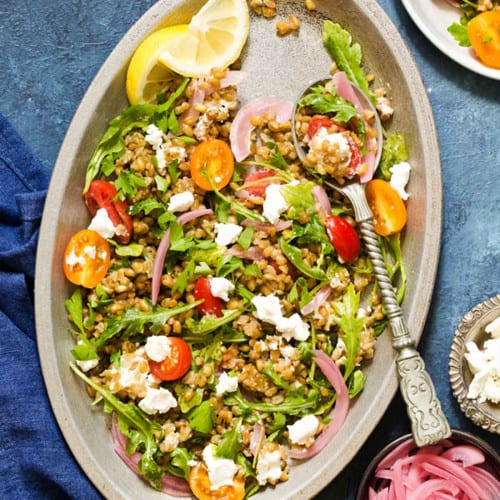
484	35
316	123
211	305
199	482
389	211
86	258
355	154
174	366
343	237
255	183
103	194
212	158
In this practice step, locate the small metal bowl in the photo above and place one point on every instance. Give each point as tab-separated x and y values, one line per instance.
471	329
491	464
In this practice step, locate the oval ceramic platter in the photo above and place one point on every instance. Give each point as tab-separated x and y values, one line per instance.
277	66
433	17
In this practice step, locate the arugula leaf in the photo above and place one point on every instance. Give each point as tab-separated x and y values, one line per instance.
132	421
356	383
346	54
84	351
182	280
74	306
273	376
133	321
294	255
299	197
393	152
325	101
350	326
195	400
231	442
202	418
179	462
459	32
209	324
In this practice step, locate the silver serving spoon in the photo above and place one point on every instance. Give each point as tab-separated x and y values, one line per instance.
428	422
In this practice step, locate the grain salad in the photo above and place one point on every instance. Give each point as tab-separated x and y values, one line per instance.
226	302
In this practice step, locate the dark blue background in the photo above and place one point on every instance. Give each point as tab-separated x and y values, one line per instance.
51	49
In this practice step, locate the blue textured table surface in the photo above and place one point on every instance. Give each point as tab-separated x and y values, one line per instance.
51	49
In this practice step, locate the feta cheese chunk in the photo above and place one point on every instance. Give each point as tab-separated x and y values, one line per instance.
221	471
293	327
181	202
102	224
267	308
303	430
400	177
226	383
274	203
158	347
268	467
485	366
221	287
154	136
157	401
227	233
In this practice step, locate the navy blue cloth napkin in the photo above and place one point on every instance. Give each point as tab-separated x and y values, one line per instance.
35	461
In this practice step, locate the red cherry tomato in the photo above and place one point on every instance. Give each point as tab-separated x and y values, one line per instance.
86	258
344	238
355	154
174	366
256	184
316	123
103	194
210	305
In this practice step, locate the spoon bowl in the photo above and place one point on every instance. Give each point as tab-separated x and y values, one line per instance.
429	424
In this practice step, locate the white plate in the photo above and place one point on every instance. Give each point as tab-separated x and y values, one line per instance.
433	18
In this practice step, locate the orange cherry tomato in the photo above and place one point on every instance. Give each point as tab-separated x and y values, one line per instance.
484	35
86	258
389	211
199	483
212	158
174	366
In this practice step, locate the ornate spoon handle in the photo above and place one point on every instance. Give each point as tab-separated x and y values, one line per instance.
429	424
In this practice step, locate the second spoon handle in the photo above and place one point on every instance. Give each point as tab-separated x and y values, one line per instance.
429	424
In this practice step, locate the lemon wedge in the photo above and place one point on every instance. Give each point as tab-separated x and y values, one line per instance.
214	39
146	77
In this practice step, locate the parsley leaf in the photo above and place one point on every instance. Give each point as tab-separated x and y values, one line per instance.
459	32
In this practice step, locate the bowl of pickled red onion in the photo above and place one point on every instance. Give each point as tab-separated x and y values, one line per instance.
462	466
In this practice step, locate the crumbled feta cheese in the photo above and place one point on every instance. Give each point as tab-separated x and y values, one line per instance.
293	327
493	328
274	203
303	430
267	308
73	260
171	438
157	401
221	287
221	471
399	178
226	383
102	224
202	126
158	347
154	136
268	466
227	233
86	364
161	159
181	202
384	108
485	366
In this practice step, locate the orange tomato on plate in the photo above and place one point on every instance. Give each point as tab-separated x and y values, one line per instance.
199	483
388	209
484	36
87	258
211	160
